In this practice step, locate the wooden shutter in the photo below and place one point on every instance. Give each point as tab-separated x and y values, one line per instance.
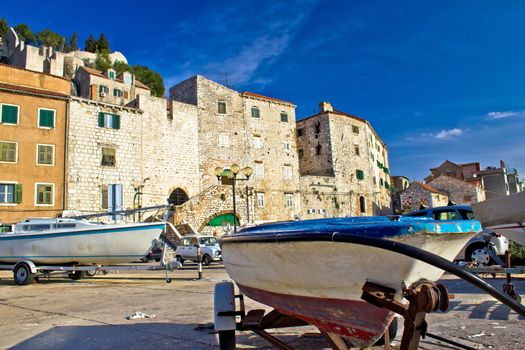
101	119
18	193
116	121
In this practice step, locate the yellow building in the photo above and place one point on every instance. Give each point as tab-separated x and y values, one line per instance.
33	129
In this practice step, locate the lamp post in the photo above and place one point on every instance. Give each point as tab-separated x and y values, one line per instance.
232	173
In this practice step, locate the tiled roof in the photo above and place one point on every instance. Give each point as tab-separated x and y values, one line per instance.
428	188
31	90
251	94
34	71
96	72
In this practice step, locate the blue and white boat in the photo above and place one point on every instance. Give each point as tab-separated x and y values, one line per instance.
77	242
314	270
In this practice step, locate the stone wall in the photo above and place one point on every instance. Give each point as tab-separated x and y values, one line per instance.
321	198
418	194
170	149
87	177
315	146
458	191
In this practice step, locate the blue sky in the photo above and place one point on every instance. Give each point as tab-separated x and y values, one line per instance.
437	79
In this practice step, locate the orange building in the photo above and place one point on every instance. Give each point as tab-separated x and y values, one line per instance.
33	129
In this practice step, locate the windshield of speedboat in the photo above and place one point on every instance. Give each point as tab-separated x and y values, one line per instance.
208	241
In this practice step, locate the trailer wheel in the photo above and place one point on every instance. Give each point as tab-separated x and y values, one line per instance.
76	275
206	260
91	273
22	274
227	340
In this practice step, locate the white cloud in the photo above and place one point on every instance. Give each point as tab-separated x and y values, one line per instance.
503	115
448	134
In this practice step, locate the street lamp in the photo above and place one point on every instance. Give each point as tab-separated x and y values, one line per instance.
232	173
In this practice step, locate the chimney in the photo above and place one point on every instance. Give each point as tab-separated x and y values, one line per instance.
502	164
325	107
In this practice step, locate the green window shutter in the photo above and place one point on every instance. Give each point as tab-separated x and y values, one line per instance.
101	119
18	193
116	121
360	174
46	118
9	114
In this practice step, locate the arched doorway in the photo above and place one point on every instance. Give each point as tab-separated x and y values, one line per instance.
178	197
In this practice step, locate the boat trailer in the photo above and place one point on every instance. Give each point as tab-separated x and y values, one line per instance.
26	271
422	297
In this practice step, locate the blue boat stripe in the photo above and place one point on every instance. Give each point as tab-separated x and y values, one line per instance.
95	231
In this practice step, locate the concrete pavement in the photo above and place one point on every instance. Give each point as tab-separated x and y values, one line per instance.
91	314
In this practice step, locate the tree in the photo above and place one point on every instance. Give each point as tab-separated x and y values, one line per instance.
49	38
151	78
103	62
72	46
25	34
91	44
102	43
120	67
4	27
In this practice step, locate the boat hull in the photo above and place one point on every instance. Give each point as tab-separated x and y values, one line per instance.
109	244
321	281
514	232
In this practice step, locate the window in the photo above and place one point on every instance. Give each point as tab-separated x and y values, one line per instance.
45	154
104	197
356	150
103	89
387	185
10	193
111	74
286	146
224	140
259	169
255	112
108	120
355	129
299	132
380	182
317	127
284	117
375	181
221	107
288	200
257	141
8	152
360	175
446	215
9	114
301	153
287	172
44	194
260	200
118	93
318	149
109	156
46	118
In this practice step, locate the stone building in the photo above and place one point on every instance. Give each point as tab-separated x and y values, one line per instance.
33	124
250	130
465	172
496	181
108	87
399	184
458	191
419	194
343	165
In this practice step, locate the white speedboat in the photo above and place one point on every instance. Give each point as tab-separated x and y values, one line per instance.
504	215
310	271
77	242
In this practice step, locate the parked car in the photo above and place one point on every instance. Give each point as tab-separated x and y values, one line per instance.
187	249
477	249
155	253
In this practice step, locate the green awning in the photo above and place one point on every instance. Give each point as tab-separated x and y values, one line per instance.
222	220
